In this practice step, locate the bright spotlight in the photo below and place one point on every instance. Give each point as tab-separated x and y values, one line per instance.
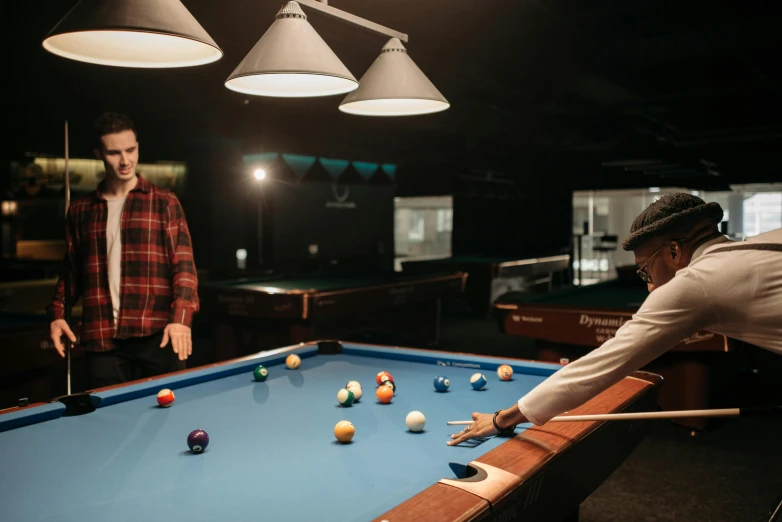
260	174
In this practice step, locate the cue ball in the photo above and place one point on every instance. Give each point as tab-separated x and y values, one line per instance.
197	441
384	394
293	361
260	373
415	421
441	383
165	398
344	431
505	372
355	387
345	397
478	381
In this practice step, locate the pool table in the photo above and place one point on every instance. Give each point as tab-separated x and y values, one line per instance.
254	314
571	322
272	454
490	277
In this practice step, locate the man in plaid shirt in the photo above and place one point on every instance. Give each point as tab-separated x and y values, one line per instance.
131	262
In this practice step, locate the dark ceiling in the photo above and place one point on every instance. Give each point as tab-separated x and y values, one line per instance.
536	86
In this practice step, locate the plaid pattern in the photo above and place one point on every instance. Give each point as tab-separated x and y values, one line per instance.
158	284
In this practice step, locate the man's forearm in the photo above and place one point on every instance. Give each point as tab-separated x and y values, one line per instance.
511	417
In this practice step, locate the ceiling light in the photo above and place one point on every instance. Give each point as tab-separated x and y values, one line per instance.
291	60
394	86
132	33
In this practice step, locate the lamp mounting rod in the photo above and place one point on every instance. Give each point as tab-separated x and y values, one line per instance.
323	7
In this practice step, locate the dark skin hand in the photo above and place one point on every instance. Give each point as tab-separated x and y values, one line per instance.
483	426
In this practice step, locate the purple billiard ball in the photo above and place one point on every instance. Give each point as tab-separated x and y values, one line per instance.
197	441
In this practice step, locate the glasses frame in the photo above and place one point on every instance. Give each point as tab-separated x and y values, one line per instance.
643	273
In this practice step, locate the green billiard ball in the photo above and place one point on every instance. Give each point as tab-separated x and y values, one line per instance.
260	373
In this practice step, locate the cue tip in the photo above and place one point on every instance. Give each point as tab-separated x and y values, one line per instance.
459	423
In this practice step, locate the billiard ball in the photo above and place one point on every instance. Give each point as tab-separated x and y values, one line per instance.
390	384
260	373
384	394
345	397
293	361
383	376
165	398
478	381
355	387
344	431
505	372
415	421
441	383
197	441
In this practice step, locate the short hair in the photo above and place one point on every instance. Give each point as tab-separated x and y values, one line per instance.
111	123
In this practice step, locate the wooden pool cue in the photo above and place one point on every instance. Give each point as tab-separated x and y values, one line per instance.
725	412
67	269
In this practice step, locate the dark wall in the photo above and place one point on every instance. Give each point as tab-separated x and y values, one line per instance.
511	218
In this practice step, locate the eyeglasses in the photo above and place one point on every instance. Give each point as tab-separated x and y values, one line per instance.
643	273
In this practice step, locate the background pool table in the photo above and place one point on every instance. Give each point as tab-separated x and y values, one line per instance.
273	456
571	322
249	315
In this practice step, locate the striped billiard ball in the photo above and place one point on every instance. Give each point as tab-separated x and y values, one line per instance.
441	383
478	381
165	398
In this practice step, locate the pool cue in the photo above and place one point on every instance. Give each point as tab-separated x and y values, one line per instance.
725	412
67	269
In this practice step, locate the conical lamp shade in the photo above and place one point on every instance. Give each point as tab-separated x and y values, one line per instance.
394	86
291	60
132	33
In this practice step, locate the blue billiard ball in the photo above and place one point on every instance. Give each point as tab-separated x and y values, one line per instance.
197	441
441	383
478	381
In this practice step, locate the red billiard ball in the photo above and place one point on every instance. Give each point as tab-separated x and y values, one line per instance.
165	398
383	376
197	441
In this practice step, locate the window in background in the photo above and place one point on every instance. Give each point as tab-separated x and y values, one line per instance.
416	232
762	212
422	228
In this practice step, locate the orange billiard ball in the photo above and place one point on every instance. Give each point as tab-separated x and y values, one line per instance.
505	372
165	398
384	394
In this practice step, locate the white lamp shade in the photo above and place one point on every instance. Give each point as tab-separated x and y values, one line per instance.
394	86
132	33
291	60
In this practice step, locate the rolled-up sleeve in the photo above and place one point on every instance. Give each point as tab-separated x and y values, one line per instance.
670	314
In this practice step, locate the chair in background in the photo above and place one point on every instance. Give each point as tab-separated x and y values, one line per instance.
604	247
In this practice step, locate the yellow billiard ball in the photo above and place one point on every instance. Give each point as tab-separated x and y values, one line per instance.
293	361
344	431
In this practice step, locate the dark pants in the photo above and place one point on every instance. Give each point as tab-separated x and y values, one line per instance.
131	359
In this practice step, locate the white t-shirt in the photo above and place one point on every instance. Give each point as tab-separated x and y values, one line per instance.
737	294
114	250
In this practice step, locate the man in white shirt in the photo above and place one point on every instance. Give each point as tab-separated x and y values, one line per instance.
697	279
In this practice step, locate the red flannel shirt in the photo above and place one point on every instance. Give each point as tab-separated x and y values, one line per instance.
158	281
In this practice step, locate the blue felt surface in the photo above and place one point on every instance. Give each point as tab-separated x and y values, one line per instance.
272	454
